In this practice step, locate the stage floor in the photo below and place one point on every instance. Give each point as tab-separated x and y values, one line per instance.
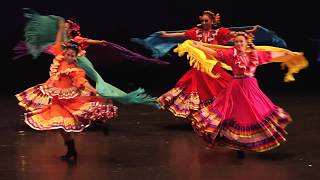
144	143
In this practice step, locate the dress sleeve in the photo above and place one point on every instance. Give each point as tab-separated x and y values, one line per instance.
83	42
223	36
264	57
225	56
191	34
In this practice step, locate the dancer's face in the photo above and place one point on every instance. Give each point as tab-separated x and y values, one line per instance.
240	43
206	22
70	55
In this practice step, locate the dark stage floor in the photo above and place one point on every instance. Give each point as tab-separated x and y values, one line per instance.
149	144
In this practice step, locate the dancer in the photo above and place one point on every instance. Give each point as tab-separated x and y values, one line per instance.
40	33
66	101
242	117
161	42
196	89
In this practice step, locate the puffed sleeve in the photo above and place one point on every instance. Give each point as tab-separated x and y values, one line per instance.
225	55
223	36
264	57
83	42
191	33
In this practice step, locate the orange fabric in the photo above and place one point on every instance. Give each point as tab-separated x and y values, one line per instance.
77	102
63	107
56	49
83	42
75	78
55	110
72	106
78	78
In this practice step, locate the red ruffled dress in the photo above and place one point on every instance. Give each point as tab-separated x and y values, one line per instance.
195	89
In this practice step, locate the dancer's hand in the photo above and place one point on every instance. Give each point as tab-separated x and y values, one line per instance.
163	34
196	44
253	30
103	43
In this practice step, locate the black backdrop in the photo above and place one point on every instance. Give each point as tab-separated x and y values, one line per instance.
118	21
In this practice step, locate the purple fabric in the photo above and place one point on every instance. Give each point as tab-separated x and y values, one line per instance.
115	53
20	50
134	56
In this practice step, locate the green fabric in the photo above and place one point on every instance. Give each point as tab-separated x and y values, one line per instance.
109	91
40	31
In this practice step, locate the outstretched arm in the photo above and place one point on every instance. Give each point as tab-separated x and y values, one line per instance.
98	42
172	35
253	30
271	56
249	31
278	54
60	31
211	53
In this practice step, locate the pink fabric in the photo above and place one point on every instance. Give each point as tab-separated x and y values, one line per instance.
243	101
242	116
243	64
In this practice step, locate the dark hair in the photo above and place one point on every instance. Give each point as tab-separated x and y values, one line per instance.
215	17
210	14
73	46
73	33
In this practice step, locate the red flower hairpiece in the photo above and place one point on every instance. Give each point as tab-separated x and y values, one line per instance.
74	26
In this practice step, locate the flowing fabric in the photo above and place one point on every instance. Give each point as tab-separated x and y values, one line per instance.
242	116
196	89
160	46
109	91
294	61
40	36
40	33
64	101
263	36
